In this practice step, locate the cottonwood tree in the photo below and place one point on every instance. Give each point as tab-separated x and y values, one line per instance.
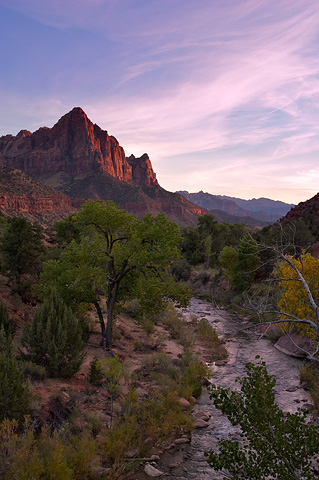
297	308
117	256
273	444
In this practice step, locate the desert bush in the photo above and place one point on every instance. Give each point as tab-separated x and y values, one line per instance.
158	418
208	335
185	376
132	307
194	375
6	323
173	321
54	339
25	456
95	376
147	325
34	372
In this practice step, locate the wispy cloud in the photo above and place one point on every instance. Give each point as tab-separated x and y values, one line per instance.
233	81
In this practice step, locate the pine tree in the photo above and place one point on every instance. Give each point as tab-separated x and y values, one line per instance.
54	339
6	322
14	392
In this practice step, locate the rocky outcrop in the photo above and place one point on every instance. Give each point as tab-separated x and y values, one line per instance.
21	194
142	170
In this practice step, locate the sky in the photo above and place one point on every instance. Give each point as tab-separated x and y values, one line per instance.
223	95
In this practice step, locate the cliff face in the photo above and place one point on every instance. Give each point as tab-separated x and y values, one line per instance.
21	194
75	146
83	161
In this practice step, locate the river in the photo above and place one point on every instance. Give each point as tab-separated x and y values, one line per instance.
187	461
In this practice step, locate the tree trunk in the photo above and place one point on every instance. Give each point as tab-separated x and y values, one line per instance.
102	324
110	314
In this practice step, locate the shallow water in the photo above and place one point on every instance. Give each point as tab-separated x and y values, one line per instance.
187	462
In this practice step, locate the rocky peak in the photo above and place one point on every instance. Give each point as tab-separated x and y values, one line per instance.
142	170
74	145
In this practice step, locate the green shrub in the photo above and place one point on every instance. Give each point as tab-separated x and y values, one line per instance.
208	335
6	322
34	372
173	320
14	392
95	375
147	325
54	339
24	456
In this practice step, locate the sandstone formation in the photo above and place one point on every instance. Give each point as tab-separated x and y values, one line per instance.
83	161
21	194
75	146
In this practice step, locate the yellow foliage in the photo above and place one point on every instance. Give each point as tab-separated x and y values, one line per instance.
294	298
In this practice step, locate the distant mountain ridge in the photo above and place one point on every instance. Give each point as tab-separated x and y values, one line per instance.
262	209
83	161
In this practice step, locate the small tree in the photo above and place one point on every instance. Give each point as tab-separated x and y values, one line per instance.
54	339
274	444
113	370
14	392
248	262
22	247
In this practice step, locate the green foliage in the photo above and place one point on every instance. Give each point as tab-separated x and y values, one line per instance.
22	247
34	372
14	392
207	334
173	320
54	338
248	262
184	377
204	244
25	456
274	444
120	256
113	370
6	323
228	259
95	375
158	419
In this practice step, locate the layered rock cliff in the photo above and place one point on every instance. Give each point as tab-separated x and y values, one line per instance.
83	161
21	194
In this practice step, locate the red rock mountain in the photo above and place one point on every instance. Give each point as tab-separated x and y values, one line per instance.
83	161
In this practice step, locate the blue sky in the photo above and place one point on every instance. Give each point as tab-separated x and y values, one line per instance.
223	95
